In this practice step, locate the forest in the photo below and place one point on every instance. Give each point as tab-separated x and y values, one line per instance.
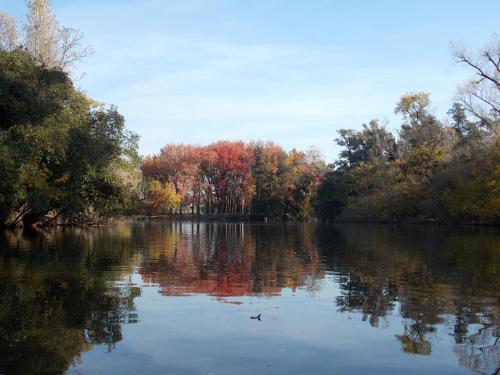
432	171
259	179
67	159
429	170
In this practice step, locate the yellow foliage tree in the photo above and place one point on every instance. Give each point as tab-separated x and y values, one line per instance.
161	197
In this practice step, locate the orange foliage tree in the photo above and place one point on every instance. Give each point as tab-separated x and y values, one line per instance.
232	177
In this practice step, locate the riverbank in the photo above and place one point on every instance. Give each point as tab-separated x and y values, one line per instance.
223	218
234	218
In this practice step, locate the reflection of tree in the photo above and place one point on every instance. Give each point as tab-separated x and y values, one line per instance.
374	303
229	260
433	277
480	351
58	299
413	340
60	295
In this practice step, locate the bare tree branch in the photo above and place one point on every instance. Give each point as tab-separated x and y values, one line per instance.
481	97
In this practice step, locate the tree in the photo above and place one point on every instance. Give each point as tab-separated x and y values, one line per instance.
460	122
161	197
31	98
28	92
98	160
230	174
351	187
231	177
481	95
9	38
424	143
176	164
62	157
373	144
52	45
474	191
266	175
298	181
331	197
413	107
433	172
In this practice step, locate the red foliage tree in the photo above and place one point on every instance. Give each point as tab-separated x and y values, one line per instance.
231	177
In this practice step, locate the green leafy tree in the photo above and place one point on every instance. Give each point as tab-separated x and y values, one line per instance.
63	157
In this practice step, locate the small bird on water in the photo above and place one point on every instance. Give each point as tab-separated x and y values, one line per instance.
256	317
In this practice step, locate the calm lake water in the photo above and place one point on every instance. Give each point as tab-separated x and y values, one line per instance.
177	297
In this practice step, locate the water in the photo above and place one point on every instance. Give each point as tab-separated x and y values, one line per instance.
177	297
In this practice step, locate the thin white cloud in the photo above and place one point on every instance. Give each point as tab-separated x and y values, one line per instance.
179	75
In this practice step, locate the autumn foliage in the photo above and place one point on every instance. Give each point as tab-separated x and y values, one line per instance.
161	196
233	177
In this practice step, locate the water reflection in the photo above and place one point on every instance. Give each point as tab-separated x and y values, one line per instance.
228	260
66	291
430	277
61	293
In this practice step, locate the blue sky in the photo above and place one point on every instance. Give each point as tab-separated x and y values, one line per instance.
292	72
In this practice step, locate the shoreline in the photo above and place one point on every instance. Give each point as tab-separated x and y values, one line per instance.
252	219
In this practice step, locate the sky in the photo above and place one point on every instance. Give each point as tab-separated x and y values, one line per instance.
288	71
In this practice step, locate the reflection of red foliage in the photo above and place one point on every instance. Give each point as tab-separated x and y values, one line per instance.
225	286
182	281
223	262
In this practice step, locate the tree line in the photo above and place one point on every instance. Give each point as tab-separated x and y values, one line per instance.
431	170
232	177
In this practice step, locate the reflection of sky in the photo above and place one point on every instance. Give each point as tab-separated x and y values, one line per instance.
407	281
292	72
299	333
